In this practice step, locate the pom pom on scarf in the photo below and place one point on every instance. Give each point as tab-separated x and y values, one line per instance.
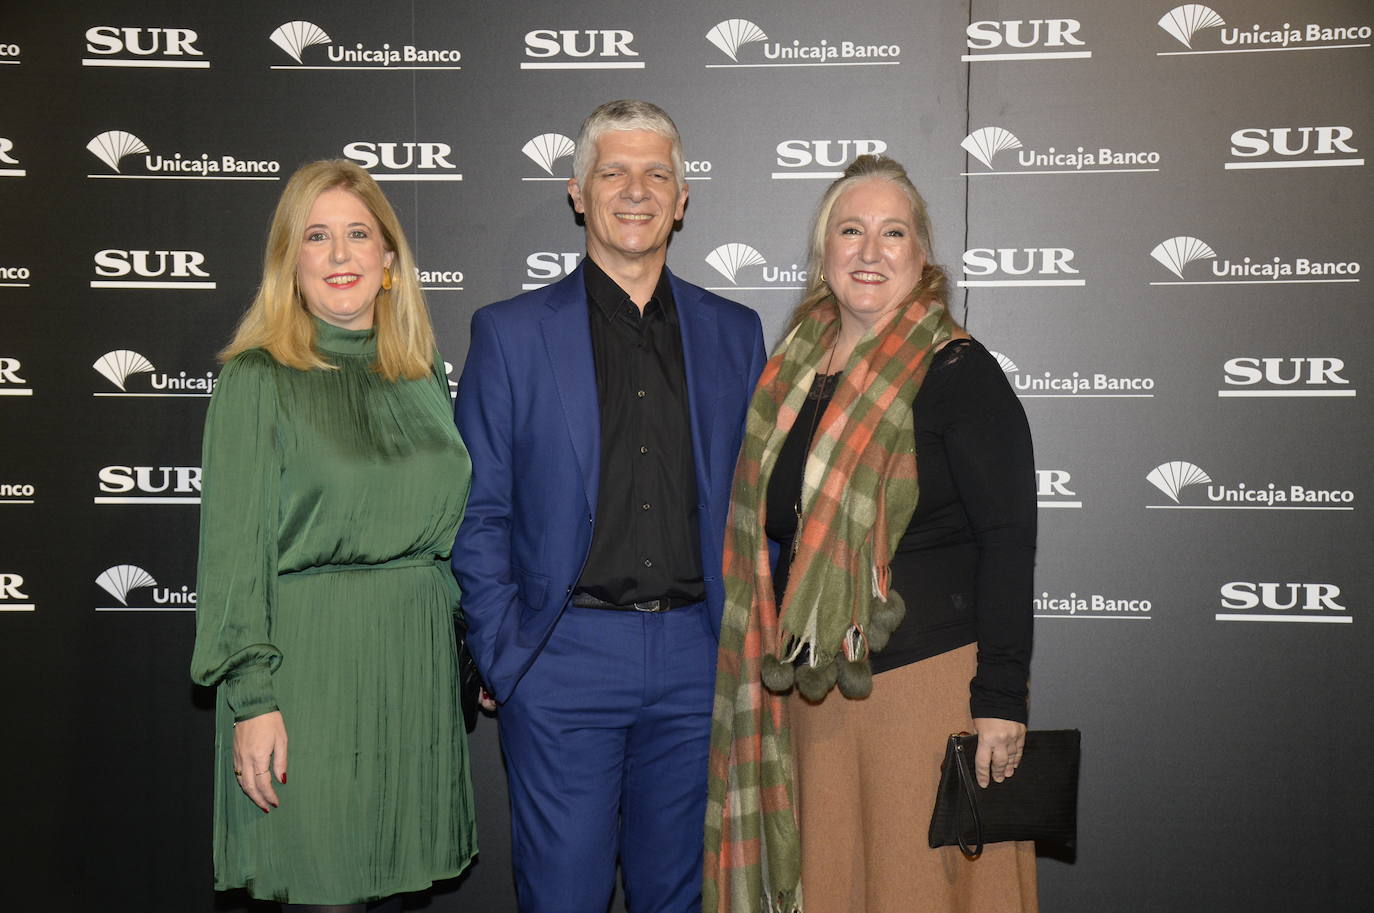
815	681
777	675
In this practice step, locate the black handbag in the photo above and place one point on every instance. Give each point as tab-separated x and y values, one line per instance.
469	679
1039	802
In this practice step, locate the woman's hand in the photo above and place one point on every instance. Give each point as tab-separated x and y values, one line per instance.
486	701
259	751
999	748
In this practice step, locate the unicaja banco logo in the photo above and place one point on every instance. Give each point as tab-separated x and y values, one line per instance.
1073	385
295	38
1171	478
1175	477
985	143
113	146
1183	22
545	150
733	34
1189	22
1176	253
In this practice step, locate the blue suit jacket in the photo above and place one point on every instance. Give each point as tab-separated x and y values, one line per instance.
527	410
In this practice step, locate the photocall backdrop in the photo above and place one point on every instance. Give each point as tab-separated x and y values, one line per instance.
1158	217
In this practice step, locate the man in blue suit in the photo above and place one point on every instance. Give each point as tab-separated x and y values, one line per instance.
604	415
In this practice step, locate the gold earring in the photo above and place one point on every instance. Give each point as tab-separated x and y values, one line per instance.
386	278
822	277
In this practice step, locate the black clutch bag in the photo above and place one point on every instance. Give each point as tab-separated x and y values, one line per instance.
469	679
1040	802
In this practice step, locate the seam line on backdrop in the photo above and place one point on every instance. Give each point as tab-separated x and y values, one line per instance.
968	123
415	137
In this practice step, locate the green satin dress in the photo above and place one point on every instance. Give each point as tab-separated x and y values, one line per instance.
328	510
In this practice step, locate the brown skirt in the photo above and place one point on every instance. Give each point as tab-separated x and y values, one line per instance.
866	776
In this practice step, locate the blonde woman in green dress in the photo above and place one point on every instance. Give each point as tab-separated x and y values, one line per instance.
334	481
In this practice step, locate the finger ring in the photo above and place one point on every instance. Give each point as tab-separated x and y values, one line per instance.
259	773
237	772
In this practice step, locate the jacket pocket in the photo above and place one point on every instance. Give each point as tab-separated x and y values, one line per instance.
532	588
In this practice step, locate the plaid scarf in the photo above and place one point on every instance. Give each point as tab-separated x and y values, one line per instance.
858	494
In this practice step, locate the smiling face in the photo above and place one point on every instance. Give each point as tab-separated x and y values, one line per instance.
342	255
630	200
873	257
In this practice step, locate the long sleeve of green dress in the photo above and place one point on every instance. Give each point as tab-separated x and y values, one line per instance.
240	507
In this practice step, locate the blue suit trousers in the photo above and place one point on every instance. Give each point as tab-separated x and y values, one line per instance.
606	741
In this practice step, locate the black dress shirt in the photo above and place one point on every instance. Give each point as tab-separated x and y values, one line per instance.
965	565
645	544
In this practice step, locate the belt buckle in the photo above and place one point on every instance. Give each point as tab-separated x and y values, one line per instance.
653	605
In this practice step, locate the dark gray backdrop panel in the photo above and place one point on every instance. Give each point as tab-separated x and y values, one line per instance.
1212	746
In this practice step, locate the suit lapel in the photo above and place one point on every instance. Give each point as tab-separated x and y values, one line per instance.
700	337
568	340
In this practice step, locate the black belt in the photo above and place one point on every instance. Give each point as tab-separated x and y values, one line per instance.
587	601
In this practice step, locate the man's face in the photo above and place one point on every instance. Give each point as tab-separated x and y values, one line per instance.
631	198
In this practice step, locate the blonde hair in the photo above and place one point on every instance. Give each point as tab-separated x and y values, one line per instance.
277	320
933	284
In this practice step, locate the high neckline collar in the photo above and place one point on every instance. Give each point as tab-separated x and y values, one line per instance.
340	341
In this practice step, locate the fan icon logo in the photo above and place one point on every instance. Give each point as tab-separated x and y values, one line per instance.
734	37
1172	478
297	37
1183	22
545	150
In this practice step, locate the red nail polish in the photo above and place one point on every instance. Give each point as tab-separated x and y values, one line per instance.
283	778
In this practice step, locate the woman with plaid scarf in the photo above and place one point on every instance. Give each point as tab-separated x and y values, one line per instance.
880	545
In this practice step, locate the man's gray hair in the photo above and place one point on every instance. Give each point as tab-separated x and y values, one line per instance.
625	114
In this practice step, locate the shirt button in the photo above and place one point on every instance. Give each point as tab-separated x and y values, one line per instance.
641	394
643	448
648	563
644	506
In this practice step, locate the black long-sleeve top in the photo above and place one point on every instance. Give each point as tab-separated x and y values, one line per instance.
965	565
645	545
